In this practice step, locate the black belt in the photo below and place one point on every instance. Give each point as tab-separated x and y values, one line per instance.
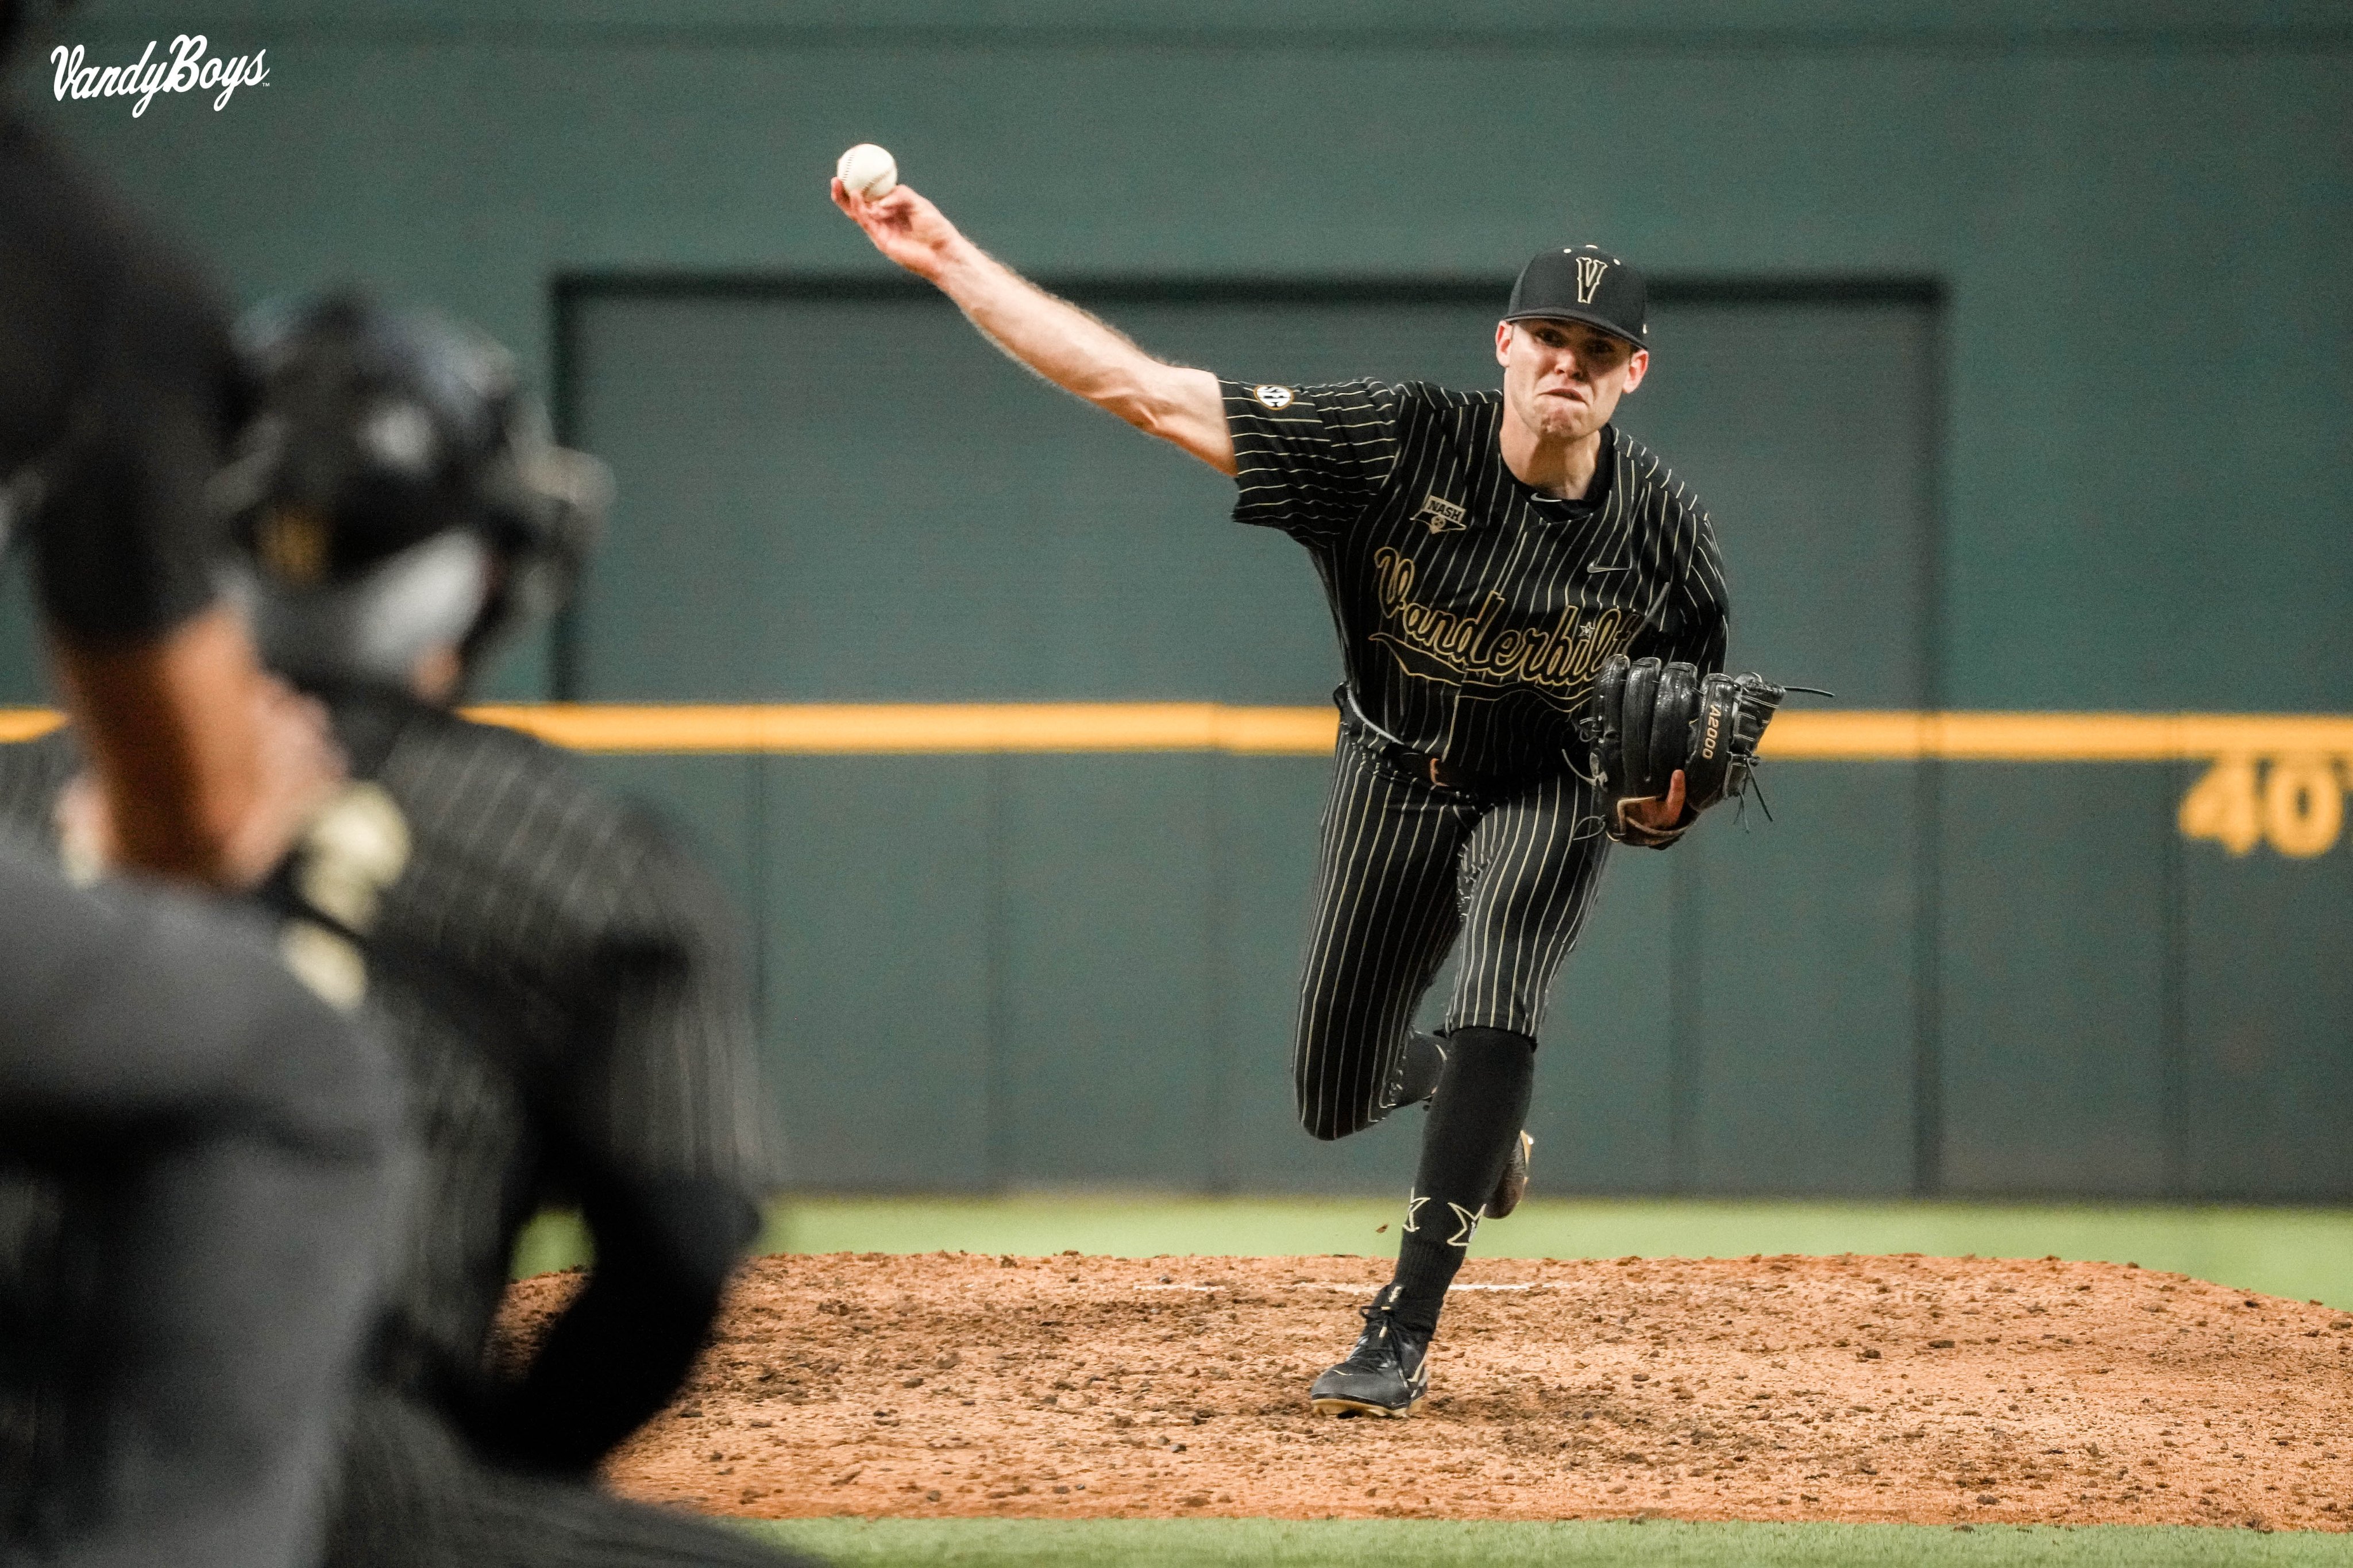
1425	767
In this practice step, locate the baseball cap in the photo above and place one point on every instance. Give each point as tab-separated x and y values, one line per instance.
1584	283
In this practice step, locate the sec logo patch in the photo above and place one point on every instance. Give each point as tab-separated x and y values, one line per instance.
1273	396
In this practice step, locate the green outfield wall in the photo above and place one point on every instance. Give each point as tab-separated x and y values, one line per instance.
2010	347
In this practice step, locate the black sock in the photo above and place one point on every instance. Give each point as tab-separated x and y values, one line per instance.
1474	1118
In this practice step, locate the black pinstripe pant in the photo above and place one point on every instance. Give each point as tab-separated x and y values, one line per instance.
1403	870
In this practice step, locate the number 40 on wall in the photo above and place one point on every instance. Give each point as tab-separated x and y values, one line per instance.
2297	802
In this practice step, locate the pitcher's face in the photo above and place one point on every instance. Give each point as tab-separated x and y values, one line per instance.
1563	379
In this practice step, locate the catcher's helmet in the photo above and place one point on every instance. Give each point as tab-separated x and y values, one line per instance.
395	491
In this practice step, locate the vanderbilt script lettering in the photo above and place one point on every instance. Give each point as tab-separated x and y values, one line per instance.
1558	659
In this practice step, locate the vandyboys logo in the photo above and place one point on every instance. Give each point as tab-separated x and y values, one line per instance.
186	68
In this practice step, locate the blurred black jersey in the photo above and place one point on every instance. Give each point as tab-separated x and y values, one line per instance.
197	1169
119	394
567	988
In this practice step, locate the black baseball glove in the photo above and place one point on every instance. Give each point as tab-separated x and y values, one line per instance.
1650	718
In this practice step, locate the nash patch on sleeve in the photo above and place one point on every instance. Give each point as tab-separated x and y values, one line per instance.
1444	516
1276	397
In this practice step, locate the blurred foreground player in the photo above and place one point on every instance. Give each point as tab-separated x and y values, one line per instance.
195	1188
1491	558
194	1151
564	982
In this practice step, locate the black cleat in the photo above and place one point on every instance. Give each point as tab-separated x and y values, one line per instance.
1414	1077
1386	1375
1513	1186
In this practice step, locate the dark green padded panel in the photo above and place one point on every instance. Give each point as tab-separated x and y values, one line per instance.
23	680
2265	1074
1809	430
1800	937
877	892
1107	1014
2053	978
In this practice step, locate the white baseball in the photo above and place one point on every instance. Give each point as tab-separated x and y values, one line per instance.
868	171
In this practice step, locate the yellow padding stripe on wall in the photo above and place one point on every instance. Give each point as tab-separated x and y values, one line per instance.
1798	734
26	723
1996	737
884	728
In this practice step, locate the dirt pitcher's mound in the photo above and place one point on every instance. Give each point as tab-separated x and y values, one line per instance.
1923	1389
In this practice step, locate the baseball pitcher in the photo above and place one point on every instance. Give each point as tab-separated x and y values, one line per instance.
1532	617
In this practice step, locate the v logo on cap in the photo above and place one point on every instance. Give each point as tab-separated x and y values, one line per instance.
1590	269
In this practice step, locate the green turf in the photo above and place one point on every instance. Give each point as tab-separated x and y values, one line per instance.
1347	1543
2302	1253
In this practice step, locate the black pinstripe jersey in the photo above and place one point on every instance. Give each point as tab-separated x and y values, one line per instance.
564	989
1474	612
